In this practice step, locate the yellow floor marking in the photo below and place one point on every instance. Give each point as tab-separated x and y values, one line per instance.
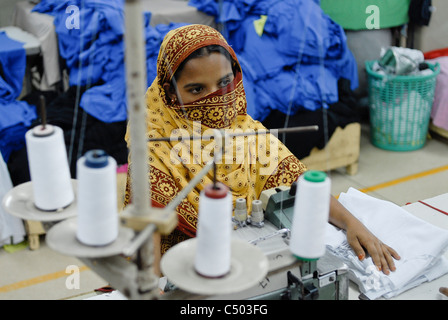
37	280
404	179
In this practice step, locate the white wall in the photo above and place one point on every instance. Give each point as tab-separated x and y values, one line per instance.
6	11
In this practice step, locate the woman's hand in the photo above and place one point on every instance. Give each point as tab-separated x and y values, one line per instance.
361	240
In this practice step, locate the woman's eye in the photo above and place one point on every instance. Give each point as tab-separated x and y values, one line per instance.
224	82
196	90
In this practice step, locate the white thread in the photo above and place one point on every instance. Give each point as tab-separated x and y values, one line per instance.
257	216
49	169
311	212
240	210
97	202
213	250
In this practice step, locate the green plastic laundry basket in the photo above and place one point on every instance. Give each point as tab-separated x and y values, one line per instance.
400	108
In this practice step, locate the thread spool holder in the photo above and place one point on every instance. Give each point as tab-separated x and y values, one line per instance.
19	202
134	278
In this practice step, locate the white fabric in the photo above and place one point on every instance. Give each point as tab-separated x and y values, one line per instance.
420	245
12	230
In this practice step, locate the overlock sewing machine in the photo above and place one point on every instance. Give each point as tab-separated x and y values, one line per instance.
287	277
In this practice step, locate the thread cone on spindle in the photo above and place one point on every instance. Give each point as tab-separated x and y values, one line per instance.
213	251
240	213
311	212
97	194
49	169
257	215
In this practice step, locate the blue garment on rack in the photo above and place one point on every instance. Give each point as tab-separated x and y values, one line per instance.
90	37
13	64
154	37
300	48
94	52
228	12
16	116
51	7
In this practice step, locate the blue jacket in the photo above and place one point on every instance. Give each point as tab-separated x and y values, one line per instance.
16	116
296	62
94	52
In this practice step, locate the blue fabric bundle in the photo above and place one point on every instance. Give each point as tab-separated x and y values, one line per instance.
13	64
154	37
90	35
94	51
16	116
295	63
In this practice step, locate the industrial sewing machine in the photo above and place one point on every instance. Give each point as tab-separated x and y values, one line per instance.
287	277
324	279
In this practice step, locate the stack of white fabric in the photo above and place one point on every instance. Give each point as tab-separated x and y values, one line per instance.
12	230
420	245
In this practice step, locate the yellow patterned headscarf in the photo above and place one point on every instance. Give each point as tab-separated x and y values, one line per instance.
249	164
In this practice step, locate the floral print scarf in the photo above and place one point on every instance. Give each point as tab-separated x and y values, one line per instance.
249	163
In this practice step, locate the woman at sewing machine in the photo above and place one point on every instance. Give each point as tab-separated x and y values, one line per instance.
199	88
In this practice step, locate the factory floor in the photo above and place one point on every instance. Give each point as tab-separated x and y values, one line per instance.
400	177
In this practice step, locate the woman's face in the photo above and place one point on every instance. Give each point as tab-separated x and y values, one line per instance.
202	76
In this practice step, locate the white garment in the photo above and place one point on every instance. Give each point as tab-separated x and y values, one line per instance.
419	244
12	230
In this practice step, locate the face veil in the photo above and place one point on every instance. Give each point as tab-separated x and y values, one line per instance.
249	164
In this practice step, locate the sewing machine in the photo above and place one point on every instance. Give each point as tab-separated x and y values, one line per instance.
287	278
324	279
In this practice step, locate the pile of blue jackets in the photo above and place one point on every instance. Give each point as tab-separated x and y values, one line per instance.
16	116
292	60
90	35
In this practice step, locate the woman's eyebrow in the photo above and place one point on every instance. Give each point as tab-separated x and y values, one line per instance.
230	74
197	84
191	85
